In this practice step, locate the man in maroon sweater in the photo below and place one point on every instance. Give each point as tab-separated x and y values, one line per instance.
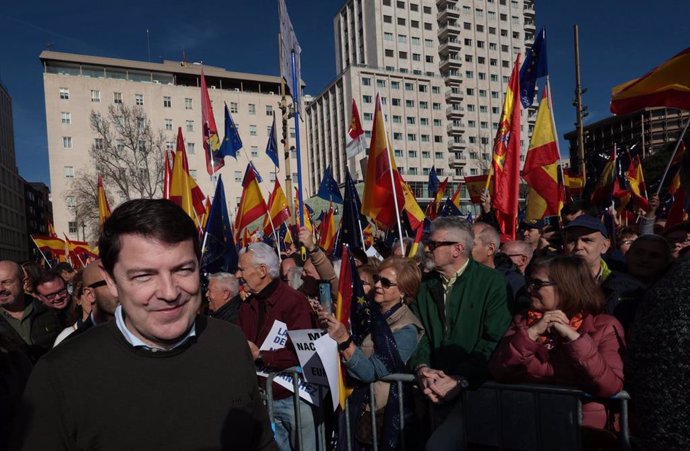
273	300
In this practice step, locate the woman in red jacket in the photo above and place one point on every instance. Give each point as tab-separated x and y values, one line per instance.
564	339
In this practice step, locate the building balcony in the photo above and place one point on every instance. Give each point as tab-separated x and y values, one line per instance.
454	95
530	26
449	29
528	9
454	111
450	62
448	45
441	3
449	12
455	127
457	159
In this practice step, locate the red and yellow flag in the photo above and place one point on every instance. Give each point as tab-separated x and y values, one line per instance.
50	245
103	206
475	187
414	212
636	183
252	205
541	166
209	131
307	217
327	231
667	85
456	196
382	183
604	188
167	175
506	158
183	188
278	210
342	314
432	209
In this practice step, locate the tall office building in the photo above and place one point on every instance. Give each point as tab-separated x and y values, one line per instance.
441	68
13	236
170	96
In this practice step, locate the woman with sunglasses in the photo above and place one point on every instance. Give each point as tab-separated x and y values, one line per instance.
564	338
390	340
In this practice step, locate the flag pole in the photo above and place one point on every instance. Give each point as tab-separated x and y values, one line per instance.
390	169
673	155
42	254
203	244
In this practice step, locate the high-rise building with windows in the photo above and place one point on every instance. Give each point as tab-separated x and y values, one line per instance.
170	96
441	68
13	236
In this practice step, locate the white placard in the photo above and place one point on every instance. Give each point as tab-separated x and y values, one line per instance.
327	350
312	369
276	338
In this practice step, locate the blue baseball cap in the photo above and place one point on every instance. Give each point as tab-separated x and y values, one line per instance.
533	224
588	222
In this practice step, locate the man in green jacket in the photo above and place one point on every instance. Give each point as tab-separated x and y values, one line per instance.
463	307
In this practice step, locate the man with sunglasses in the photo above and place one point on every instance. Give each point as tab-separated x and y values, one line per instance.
23	319
463	308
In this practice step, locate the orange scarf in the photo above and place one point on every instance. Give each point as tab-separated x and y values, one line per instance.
550	340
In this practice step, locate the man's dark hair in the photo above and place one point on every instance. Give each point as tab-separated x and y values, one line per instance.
48	276
159	219
63	266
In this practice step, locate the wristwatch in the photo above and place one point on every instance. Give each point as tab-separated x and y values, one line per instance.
345	344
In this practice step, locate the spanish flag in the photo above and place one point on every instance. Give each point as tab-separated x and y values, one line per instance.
603	190
506	158
342	314
382	183
456	196
252	205
667	85
414	212
103	206
327	231
278	210
210	131
636	183
183	188
541	166
475	187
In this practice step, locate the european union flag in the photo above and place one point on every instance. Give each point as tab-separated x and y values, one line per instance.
534	67
231	141
219	252
449	209
434	182
352	222
328	189
272	146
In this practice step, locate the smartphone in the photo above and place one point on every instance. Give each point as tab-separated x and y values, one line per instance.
325	298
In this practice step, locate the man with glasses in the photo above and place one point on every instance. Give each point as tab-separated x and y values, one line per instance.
51	289
463	308
520	252
23	319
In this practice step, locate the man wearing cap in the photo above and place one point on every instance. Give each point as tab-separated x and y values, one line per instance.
587	237
532	233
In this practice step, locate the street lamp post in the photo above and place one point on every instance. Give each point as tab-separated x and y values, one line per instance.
83	231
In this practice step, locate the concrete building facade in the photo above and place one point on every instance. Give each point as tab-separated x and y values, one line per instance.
441	68
13	236
170	96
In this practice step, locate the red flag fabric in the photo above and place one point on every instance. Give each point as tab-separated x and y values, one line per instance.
252	205
506	158
677	213
342	314
167	175
636	184
605	184
278	210
209	131
327	231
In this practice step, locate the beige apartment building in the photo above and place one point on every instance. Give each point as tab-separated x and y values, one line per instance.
169	94
441	68
13	235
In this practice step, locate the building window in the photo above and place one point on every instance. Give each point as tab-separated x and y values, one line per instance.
409	103
428	42
402	55
187	103
401	21
402	39
438	139
416	57
69	172
64	93
411	154
411	137
190	125
71	201
168	124
72	226
252	130
388	36
395	101
423	121
95	95
238	176
117	97
469	74
139	99
269	110
414	23
423	105
366	99
397	119
167	102
233	107
437	122
436	106
191	149
389	53
255	151
67	142
397	136
368	116
169	146
387	19
98	143
66	117
398	153
411	120
380	83
252	108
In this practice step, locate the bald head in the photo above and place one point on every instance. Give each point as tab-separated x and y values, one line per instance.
520	252
11	286
92	273
96	292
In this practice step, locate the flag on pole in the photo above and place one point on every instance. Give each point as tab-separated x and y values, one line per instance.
506	158
382	179
272	145
103	206
252	205
207	212
666	85
415	215
355	142
351	221
534	67
432	209
433	182
307	214
475	187
231	141
51	245
289	46
183	188
574	183
219	253
278	210
342	314
167	175
449	209
328	189
603	190
456	196
327	231
636	184
541	166
214	161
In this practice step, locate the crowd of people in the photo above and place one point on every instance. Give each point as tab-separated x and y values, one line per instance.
135	352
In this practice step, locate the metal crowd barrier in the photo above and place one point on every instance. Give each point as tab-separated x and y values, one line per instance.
489	419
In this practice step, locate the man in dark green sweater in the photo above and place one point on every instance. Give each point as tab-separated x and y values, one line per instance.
463	308
159	376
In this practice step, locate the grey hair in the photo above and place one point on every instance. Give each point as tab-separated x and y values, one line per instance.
263	254
407	244
227	280
459	226
523	247
487	234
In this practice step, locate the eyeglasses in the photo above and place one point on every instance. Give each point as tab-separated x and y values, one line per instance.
516	255
57	294
433	245
100	283
536	284
385	282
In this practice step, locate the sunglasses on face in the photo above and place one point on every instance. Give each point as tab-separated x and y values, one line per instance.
385	282
433	245
100	283
536	284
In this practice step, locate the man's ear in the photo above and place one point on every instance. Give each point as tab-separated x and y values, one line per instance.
110	281
606	245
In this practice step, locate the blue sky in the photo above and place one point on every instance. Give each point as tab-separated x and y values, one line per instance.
619	40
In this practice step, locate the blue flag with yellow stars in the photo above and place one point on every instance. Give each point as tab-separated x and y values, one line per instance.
534	67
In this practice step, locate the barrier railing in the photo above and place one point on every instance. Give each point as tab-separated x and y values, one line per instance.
486	408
